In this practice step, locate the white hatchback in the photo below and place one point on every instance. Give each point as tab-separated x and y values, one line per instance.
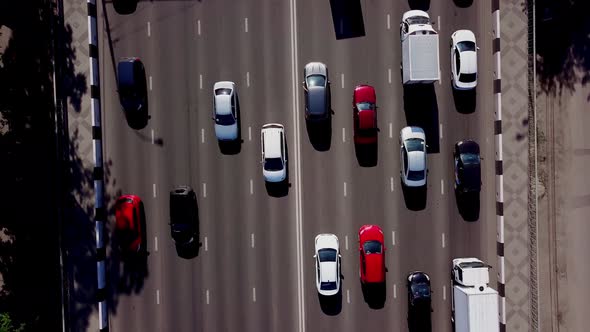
327	264
274	152
463	60
413	170
225	111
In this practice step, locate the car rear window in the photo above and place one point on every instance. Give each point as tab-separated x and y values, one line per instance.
415	175
467	78
273	164
224	119
328	285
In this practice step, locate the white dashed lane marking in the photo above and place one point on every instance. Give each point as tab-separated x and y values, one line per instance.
251	187
202	135
201	81
445	293
206	244
391	183
199	27
249	133
149	29
388	24
390	130
392	237
348	295
150	83
246	24
442	239
394	291
157	296
155	243
207	296
442	186
344	189
342	79
154	189
346	241
248	79
440	130
253	294
389	75
204	189
252	239
344	135
152	136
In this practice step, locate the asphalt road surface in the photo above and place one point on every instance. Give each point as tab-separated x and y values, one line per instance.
254	270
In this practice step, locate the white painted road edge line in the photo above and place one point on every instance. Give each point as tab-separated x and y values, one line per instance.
346	241
393	238
154	190
298	182
155	243
442	238
157	296
253	294
248	79
149	30
344	189
391	183
202	135
207	295
444	292
343	135
152	136
150	83
394	291
249	133
251	187
206	244
252	239
389	27
201	81
348	295
246	24
442	186
342	79
204	190
199	27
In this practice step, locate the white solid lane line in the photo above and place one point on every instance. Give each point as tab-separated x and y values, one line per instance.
202	135
157	296
388	24
155	243
152	136
150	83
342	79
154	190
344	135
252	239
149	30
206	244
393	237
251	187
246	24
442	238
442	186
248	79
207	295
204	190
344	189
346	241
201	81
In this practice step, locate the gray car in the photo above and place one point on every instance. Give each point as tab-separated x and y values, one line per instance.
317	92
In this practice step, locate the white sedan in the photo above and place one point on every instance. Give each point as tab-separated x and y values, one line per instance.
463	60
413	170
327	264
225	111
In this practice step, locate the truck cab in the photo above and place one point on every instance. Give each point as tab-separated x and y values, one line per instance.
470	272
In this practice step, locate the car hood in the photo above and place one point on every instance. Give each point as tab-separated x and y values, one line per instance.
367	119
375	268
225	133
364	93
274	176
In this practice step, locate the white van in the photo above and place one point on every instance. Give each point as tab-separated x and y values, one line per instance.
274	156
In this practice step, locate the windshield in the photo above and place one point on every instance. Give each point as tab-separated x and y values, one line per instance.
372	247
273	164
327	255
467	78
365	106
224	119
466	46
420	290
415	175
470	159
414	144
316	80
328	285
418	20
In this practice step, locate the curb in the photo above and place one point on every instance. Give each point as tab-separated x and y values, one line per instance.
498	163
98	172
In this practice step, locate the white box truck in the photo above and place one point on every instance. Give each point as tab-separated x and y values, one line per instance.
420	60
474	303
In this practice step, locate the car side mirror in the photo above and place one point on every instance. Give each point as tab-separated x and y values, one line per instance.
478	47
213	118
482	158
314	256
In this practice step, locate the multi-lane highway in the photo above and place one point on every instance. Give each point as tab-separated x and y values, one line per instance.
254	271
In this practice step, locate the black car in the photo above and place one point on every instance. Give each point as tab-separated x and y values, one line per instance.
317	92
419	302
133	91
467	167
125	7
184	225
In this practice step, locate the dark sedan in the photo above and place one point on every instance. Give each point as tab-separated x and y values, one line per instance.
467	167
419	302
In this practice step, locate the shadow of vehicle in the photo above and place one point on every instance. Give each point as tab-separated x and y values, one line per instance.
374	294
468	205
140	121
421	110
320	134
367	155
331	305
125	7
235	146
347	17
278	189
463	3
415	198
465	100
419	4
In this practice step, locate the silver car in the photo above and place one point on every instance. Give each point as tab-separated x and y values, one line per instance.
316	87
413	169
225	111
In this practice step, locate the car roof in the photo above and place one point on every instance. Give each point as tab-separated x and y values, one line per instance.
328	271
468	62
124	214
317	99
364	93
416	161
366	119
471	175
374	267
223	104
315	68
125	72
272	140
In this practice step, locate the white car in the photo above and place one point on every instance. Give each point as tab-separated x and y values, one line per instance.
413	169
463	60
327	264
274	152
225	111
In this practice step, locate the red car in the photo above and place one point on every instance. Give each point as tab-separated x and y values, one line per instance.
364	104
128	228
372	254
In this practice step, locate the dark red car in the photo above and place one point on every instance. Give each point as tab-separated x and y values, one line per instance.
364	105
128	229
372	254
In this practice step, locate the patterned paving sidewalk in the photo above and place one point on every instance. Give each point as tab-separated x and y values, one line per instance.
515	96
